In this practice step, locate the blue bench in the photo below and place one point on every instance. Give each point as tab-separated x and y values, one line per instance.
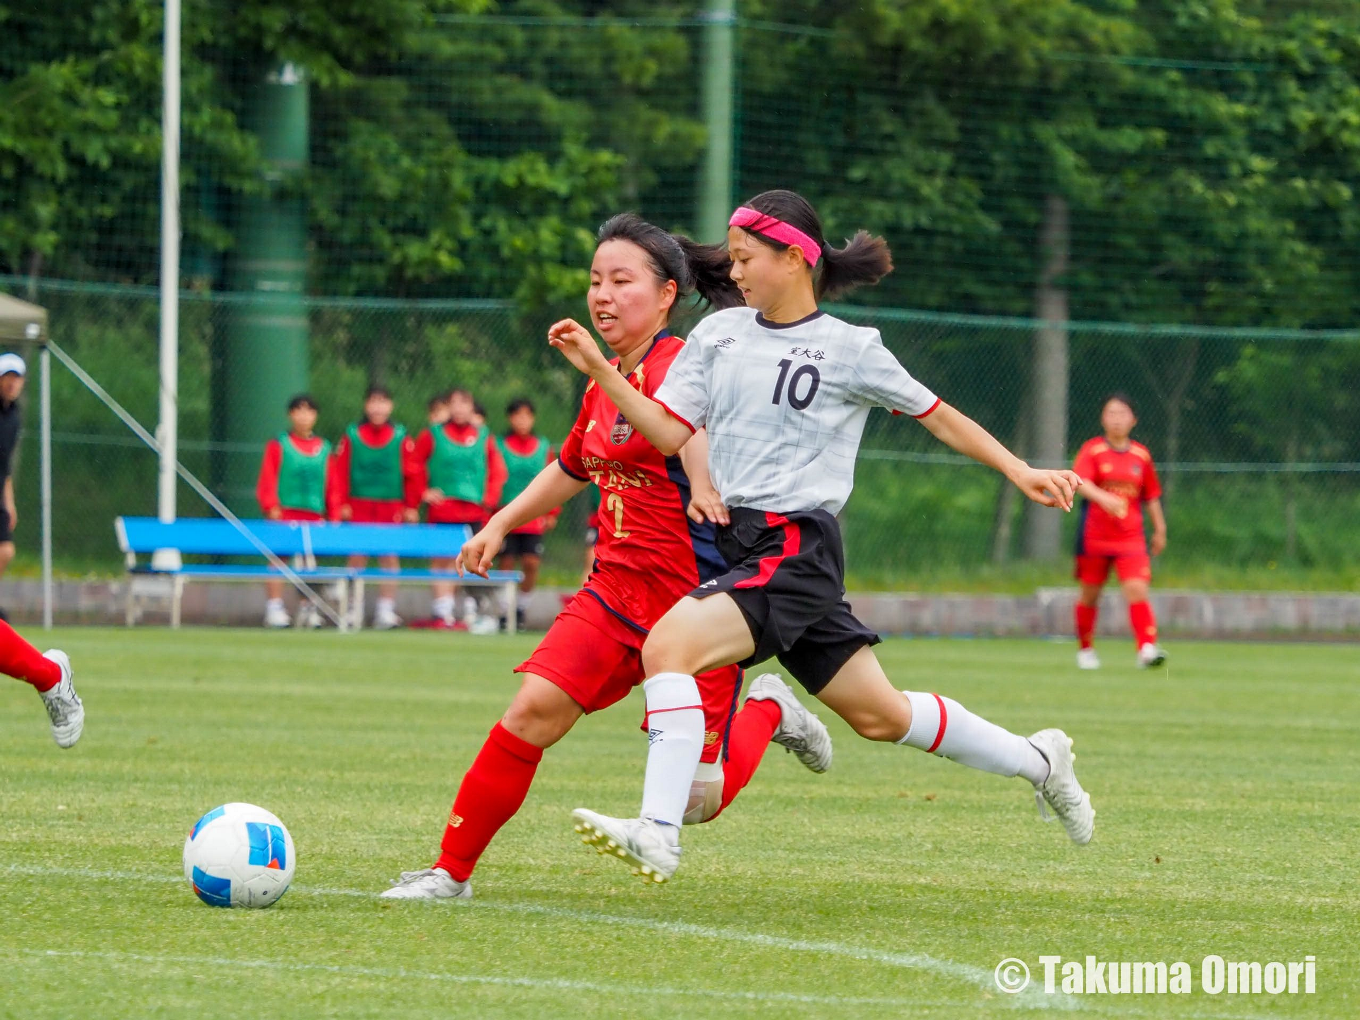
300	541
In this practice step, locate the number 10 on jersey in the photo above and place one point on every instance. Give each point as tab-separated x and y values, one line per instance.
804	373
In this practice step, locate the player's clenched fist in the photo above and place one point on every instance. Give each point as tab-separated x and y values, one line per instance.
479	552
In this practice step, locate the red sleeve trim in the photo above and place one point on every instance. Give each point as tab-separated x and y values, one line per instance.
929	410
677	417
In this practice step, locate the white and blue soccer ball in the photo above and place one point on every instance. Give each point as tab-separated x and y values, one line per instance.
239	855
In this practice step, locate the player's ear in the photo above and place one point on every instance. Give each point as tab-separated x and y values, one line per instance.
668	292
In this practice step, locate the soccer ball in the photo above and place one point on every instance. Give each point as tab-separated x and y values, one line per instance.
239	855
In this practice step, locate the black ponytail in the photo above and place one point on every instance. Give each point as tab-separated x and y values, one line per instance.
865	259
695	268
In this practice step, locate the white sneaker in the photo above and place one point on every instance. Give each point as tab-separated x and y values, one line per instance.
1150	656
429	884
276	617
1087	658
64	706
310	618
639	842
1061	791
484	625
799	730
386	619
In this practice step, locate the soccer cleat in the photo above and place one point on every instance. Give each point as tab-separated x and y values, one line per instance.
1087	658
638	842
64	706
799	730
428	884
386	619
1061	791
1150	656
276	617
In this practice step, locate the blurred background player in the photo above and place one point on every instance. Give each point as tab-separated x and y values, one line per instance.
50	675
460	474
374	481
13	372
1118	478
437	409
526	454
293	486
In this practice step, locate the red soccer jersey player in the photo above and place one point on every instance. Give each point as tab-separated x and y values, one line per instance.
650	552
1118	480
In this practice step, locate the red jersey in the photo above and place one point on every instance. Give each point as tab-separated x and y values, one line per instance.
375	436
1128	473
649	554
462	511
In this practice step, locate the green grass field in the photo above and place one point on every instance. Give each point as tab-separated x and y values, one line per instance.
890	887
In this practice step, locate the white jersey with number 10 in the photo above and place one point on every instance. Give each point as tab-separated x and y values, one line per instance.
785	404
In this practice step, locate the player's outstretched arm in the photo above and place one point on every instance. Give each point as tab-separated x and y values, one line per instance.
666	433
955	429
705	502
550	488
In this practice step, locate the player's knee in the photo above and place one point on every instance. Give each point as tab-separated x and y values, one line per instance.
882	724
705	794
540	721
665	652
6	553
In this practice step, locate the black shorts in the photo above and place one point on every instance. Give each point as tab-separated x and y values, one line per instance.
522	545
6	532
789	582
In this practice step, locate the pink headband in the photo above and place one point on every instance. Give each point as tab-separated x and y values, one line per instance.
777	230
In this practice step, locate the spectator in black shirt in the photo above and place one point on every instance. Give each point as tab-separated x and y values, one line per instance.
12	375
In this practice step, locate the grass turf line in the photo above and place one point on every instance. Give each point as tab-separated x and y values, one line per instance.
1224	789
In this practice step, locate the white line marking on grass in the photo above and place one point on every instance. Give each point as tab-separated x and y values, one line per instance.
977	976
402	974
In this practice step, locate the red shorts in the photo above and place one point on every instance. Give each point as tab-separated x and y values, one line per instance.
376	511
597	659
287	513
1129	566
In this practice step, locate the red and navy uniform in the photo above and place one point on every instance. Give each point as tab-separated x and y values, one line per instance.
648	556
1105	539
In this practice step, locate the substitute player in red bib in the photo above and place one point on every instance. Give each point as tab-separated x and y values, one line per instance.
1118	480
460	476
375	482
526	454
650	551
293	485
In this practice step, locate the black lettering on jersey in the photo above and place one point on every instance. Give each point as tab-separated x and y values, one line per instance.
798	402
726	341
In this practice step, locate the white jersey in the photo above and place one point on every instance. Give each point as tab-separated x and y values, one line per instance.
785	404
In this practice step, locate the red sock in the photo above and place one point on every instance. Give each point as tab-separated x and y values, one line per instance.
1144	624
22	661
1086	624
750	734
492	791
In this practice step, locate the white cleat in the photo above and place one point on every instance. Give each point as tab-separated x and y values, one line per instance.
799	730
1061	791
429	884
1087	658
277	618
64	706
638	842
386	620
1150	656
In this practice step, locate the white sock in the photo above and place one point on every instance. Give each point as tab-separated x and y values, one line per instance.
274	604
469	609
442	608
386	606
944	727
675	729
523	600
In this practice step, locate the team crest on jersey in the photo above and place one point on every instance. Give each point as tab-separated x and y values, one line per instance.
621	431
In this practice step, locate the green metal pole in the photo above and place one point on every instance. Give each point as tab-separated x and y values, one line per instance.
264	357
715	185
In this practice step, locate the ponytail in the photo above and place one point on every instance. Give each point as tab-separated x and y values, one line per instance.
865	259
695	268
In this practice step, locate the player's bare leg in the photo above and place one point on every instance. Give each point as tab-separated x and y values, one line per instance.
694	636
1143	623
1088	605
495	786
862	695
